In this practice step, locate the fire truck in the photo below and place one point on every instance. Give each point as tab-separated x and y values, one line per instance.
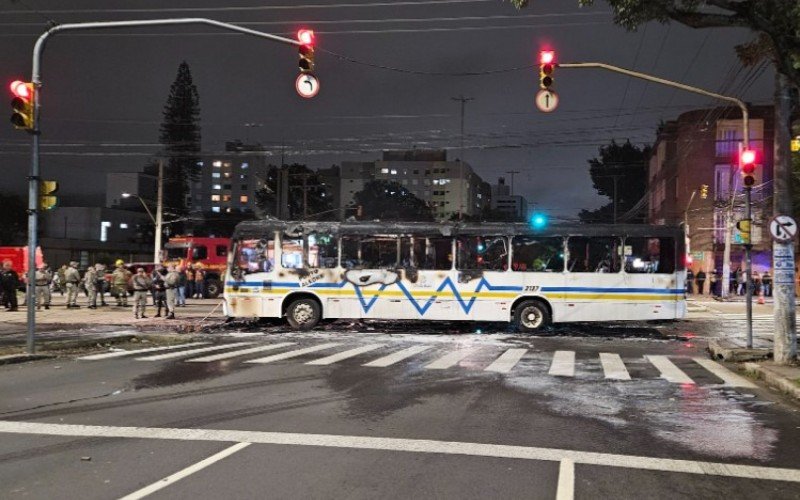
209	253
19	260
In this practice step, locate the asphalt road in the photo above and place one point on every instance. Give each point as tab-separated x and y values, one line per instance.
399	411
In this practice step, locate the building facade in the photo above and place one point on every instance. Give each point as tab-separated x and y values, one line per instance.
701	148
513	207
228	180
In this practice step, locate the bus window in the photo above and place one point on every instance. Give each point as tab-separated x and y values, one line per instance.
255	256
433	254
322	251
537	255
405	254
649	255
291	253
199	253
478	252
594	255
367	252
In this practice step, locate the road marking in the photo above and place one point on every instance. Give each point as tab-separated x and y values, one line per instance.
613	367
563	364
449	360
172	355
398	356
408	445
669	371
119	354
506	361
293	354
345	355
566	480
731	379
173	478
243	352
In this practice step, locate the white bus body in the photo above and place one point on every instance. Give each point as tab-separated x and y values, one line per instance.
605	273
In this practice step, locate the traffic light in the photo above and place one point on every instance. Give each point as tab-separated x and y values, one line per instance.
22	105
539	221
703	191
747	160
744	226
47	198
306	50
546	66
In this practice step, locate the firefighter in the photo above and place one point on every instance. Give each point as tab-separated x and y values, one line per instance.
119	283
141	283
172	281
90	284
10	281
72	277
44	278
101	283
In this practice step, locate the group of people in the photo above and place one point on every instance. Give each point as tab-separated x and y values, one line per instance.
737	282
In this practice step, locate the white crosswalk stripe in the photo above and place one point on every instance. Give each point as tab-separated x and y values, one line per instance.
334	358
119	354
398	356
669	371
563	364
613	367
450	360
243	352
192	352
294	354
729	378
506	361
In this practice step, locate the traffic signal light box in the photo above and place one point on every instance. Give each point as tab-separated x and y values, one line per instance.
22	105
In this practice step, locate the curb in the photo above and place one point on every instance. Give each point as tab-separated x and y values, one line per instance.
773	379
736	353
11	359
54	346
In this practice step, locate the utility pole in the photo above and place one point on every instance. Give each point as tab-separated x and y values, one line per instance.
159	212
511	173
463	100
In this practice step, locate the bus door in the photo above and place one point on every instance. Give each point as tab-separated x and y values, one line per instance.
650	269
429	278
322	263
594	288
250	277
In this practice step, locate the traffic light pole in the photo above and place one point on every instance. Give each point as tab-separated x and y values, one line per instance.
726	264
33	178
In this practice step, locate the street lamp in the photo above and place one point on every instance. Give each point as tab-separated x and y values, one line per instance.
158	219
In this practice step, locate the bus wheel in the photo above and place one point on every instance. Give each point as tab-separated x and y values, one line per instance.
213	288
531	315
303	314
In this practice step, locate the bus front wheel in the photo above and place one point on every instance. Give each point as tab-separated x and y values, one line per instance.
303	314
530	316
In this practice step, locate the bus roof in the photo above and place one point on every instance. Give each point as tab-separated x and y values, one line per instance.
260	228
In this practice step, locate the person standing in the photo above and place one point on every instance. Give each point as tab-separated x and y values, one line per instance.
766	281
740	281
171	281
44	279
701	281
119	283
713	280
159	291
190	275
689	281
90	283
62	280
72	277
182	287
141	284
200	282
10	284
101	283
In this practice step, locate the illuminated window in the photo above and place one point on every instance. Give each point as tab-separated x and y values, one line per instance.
214	197
243	198
215	209
215	175
216	186
245	166
394	172
226	197
227	175
217	164
123	225
384	170
104	230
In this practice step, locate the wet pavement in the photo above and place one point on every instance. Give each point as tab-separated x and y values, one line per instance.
368	409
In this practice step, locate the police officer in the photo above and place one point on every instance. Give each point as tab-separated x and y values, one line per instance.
141	285
90	283
101	283
72	278
119	283
44	278
172	280
159	290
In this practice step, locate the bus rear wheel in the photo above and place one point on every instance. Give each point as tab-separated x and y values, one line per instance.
530	316
303	314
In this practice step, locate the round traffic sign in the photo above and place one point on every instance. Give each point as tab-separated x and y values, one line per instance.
783	228
307	85
546	100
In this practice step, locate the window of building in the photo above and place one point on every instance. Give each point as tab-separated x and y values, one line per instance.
226	186
416	171
594	255
215	209
228	210
245	165
227	175
215	175
537	255
383	171
123	225
104	230
393	171
728	141
244	187
244	198
217	164
360	252
291	252
226	198
322	251
215	197
722	182
649	255
243	177
216	186
478	252
414	182
227	164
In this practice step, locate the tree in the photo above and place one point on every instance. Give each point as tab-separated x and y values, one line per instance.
623	166
180	136
388	200
305	186
13	220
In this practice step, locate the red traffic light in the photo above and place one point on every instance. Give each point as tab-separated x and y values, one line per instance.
547	57
748	157
20	89
305	36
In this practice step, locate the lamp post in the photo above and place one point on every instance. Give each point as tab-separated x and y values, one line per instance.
158	219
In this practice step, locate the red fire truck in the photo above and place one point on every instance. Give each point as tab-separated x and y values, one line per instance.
19	260
209	253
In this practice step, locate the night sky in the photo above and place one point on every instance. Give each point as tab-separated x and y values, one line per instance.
104	91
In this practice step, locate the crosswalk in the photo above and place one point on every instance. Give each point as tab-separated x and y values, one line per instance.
562	364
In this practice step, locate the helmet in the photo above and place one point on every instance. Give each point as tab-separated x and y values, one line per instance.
119	262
